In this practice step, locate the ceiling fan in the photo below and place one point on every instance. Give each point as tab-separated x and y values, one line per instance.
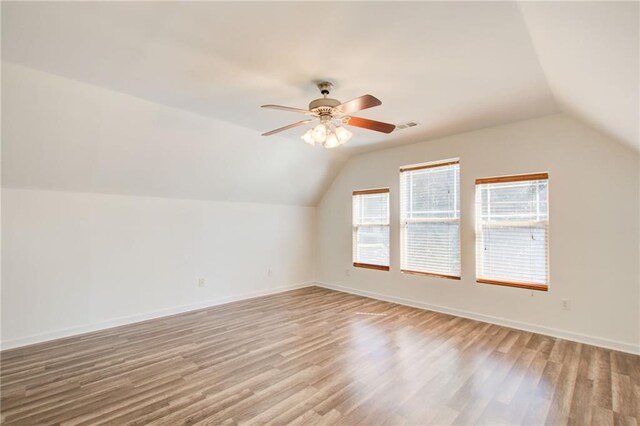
331	113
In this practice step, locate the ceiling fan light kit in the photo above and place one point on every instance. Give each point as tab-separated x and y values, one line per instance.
327	134
332	114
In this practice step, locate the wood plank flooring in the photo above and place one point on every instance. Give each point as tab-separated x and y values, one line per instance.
315	356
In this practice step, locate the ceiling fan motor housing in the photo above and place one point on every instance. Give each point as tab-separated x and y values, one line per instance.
324	106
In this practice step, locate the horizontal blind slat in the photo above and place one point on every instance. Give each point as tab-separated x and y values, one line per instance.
430	218
512	229
371	228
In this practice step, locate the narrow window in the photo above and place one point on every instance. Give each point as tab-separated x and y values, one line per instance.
512	231
430	219
371	229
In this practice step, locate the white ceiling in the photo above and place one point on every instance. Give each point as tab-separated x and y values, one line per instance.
453	67
589	52
59	134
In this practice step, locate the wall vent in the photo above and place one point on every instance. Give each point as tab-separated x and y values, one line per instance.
406	125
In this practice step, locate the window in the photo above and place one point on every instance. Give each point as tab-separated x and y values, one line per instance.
430	219
371	229
512	231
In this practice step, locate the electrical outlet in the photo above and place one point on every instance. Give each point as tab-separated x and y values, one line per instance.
347	272
200	282
565	305
270	272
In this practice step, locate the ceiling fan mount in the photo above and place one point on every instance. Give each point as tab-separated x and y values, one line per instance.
325	87
326	110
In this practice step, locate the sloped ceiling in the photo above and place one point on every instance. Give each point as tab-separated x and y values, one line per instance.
451	66
589	52
60	134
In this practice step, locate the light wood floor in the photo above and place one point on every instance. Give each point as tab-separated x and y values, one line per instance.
315	356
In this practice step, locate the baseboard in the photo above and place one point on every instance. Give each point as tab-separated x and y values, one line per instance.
553	332
68	332
576	337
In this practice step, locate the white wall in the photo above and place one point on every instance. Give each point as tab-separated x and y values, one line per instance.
77	261
594	230
73	262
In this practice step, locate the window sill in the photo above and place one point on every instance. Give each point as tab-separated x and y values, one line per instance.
429	274
528	286
369	266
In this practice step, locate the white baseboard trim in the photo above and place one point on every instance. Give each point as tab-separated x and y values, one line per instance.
553	332
68	332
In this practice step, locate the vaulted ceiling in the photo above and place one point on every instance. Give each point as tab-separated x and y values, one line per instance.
452	67
590	53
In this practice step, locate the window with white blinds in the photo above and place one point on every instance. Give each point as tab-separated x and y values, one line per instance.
371	228
512	231
430	219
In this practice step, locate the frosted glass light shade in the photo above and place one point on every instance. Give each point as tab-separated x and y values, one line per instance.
308	137
343	135
319	133
332	141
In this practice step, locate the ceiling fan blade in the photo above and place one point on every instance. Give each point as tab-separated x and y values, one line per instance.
290	109
358	104
290	126
365	123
